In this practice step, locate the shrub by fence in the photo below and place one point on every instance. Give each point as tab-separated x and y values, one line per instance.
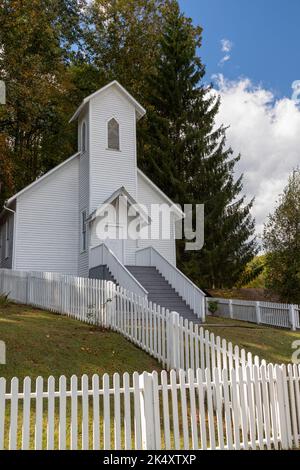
254	408
265	313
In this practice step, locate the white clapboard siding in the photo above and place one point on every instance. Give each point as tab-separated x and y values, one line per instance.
257	408
47	230
264	313
111	169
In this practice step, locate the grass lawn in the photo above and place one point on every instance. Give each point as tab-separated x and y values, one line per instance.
42	343
272	344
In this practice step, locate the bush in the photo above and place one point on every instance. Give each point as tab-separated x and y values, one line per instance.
4	301
213	307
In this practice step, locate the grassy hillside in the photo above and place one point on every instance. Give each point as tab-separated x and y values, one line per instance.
41	343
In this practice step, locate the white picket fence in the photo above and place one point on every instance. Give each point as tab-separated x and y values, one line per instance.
216	396
264	313
254	408
174	342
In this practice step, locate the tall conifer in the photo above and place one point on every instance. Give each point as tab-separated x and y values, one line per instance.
186	155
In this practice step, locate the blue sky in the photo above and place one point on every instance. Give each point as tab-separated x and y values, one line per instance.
261	61
265	36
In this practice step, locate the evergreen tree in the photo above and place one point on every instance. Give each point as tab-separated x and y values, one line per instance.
183	152
281	241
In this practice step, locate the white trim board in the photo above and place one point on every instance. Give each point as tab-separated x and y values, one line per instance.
139	108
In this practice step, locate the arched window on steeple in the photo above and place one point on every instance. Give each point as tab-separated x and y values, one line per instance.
113	134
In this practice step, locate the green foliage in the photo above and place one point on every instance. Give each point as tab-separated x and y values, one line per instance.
4	300
254	274
213	307
120	40
281	241
35	38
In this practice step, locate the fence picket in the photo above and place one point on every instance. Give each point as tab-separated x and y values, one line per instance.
62	412
227	411
13	429
127	411
193	412
74	413
39	414
2	410
184	409
293	405
166	414
106	412
117	412
96	412
26	414
210	409
175	409
51	411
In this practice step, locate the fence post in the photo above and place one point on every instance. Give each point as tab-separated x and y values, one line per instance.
292	315
203	309
258	314
230	309
28	276
173	341
147	412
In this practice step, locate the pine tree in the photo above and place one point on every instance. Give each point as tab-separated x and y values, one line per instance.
183	152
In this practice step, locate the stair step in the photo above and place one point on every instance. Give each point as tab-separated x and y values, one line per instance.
161	292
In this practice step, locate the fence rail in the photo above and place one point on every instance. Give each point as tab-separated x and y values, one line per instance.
264	313
174	342
254	408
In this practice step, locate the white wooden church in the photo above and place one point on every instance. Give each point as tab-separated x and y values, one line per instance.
50	225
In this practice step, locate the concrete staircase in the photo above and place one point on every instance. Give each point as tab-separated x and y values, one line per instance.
102	272
161	292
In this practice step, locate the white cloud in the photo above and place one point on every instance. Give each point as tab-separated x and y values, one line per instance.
266	131
226	47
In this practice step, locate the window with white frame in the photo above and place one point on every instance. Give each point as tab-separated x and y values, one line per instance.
83	241
83	137
113	134
7	238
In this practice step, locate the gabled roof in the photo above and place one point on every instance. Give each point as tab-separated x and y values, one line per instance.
176	207
140	111
15	196
116	194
